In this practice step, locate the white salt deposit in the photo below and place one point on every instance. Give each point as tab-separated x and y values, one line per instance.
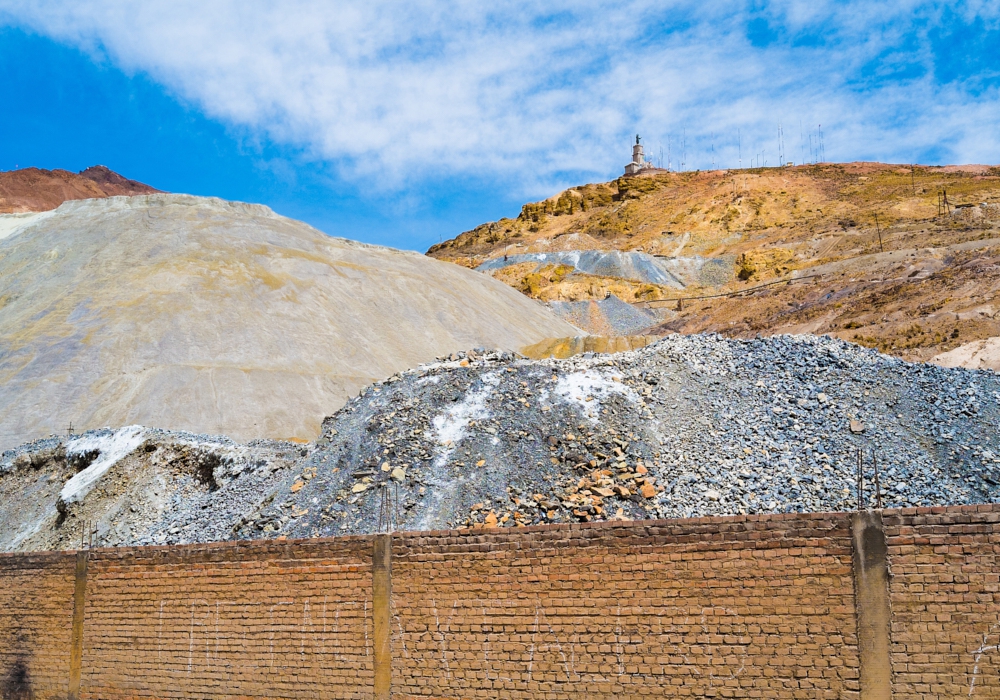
588	388
450	427
111	449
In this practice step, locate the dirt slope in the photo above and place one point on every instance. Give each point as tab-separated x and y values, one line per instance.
219	317
920	282
34	189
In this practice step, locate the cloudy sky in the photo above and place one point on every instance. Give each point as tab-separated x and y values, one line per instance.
404	123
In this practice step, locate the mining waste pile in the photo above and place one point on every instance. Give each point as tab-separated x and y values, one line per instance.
190	313
687	426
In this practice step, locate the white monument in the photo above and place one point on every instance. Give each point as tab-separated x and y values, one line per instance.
639	163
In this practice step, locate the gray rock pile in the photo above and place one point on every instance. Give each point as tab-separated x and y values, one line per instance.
692	425
606	317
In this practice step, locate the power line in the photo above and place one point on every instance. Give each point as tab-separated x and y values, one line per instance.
719	296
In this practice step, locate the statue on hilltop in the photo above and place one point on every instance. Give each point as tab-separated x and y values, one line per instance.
639	164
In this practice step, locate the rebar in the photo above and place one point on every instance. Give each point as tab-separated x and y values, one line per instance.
861	481
878	485
388	508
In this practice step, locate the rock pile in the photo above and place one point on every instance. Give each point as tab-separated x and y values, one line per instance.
693	425
688	426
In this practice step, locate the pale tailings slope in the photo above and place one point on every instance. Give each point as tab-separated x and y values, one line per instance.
217	317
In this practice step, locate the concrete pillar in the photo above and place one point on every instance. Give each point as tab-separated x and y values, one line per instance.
76	636
381	600
871	600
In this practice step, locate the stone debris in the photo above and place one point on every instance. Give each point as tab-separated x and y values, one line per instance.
688	426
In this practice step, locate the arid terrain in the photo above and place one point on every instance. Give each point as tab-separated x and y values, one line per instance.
193	327
693	425
193	313
34	189
899	258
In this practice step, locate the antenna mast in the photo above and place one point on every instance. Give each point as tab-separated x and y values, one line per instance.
802	145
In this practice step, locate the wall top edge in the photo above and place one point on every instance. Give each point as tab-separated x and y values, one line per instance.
676	526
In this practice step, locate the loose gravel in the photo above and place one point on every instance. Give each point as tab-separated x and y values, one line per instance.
689	426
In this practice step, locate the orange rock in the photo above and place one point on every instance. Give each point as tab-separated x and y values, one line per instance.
296	486
491	519
648	491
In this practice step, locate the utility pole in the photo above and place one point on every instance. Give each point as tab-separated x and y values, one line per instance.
913	182
879	230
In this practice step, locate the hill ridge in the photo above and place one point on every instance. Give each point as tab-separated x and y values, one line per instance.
888	245
37	189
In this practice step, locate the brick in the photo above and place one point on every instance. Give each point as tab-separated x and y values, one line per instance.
740	606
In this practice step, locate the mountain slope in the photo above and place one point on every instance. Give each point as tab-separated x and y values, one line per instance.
34	189
219	317
898	258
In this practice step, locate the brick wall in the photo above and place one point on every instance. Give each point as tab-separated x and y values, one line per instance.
759	606
283	620
36	617
945	597
735	607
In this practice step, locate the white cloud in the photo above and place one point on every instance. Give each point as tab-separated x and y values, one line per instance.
539	93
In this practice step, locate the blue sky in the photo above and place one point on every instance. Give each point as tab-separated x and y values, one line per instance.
402	124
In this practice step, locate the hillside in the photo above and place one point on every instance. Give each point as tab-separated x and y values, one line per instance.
34	189
918	282
198	314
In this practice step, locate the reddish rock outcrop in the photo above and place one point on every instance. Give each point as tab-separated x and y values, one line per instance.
34	189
